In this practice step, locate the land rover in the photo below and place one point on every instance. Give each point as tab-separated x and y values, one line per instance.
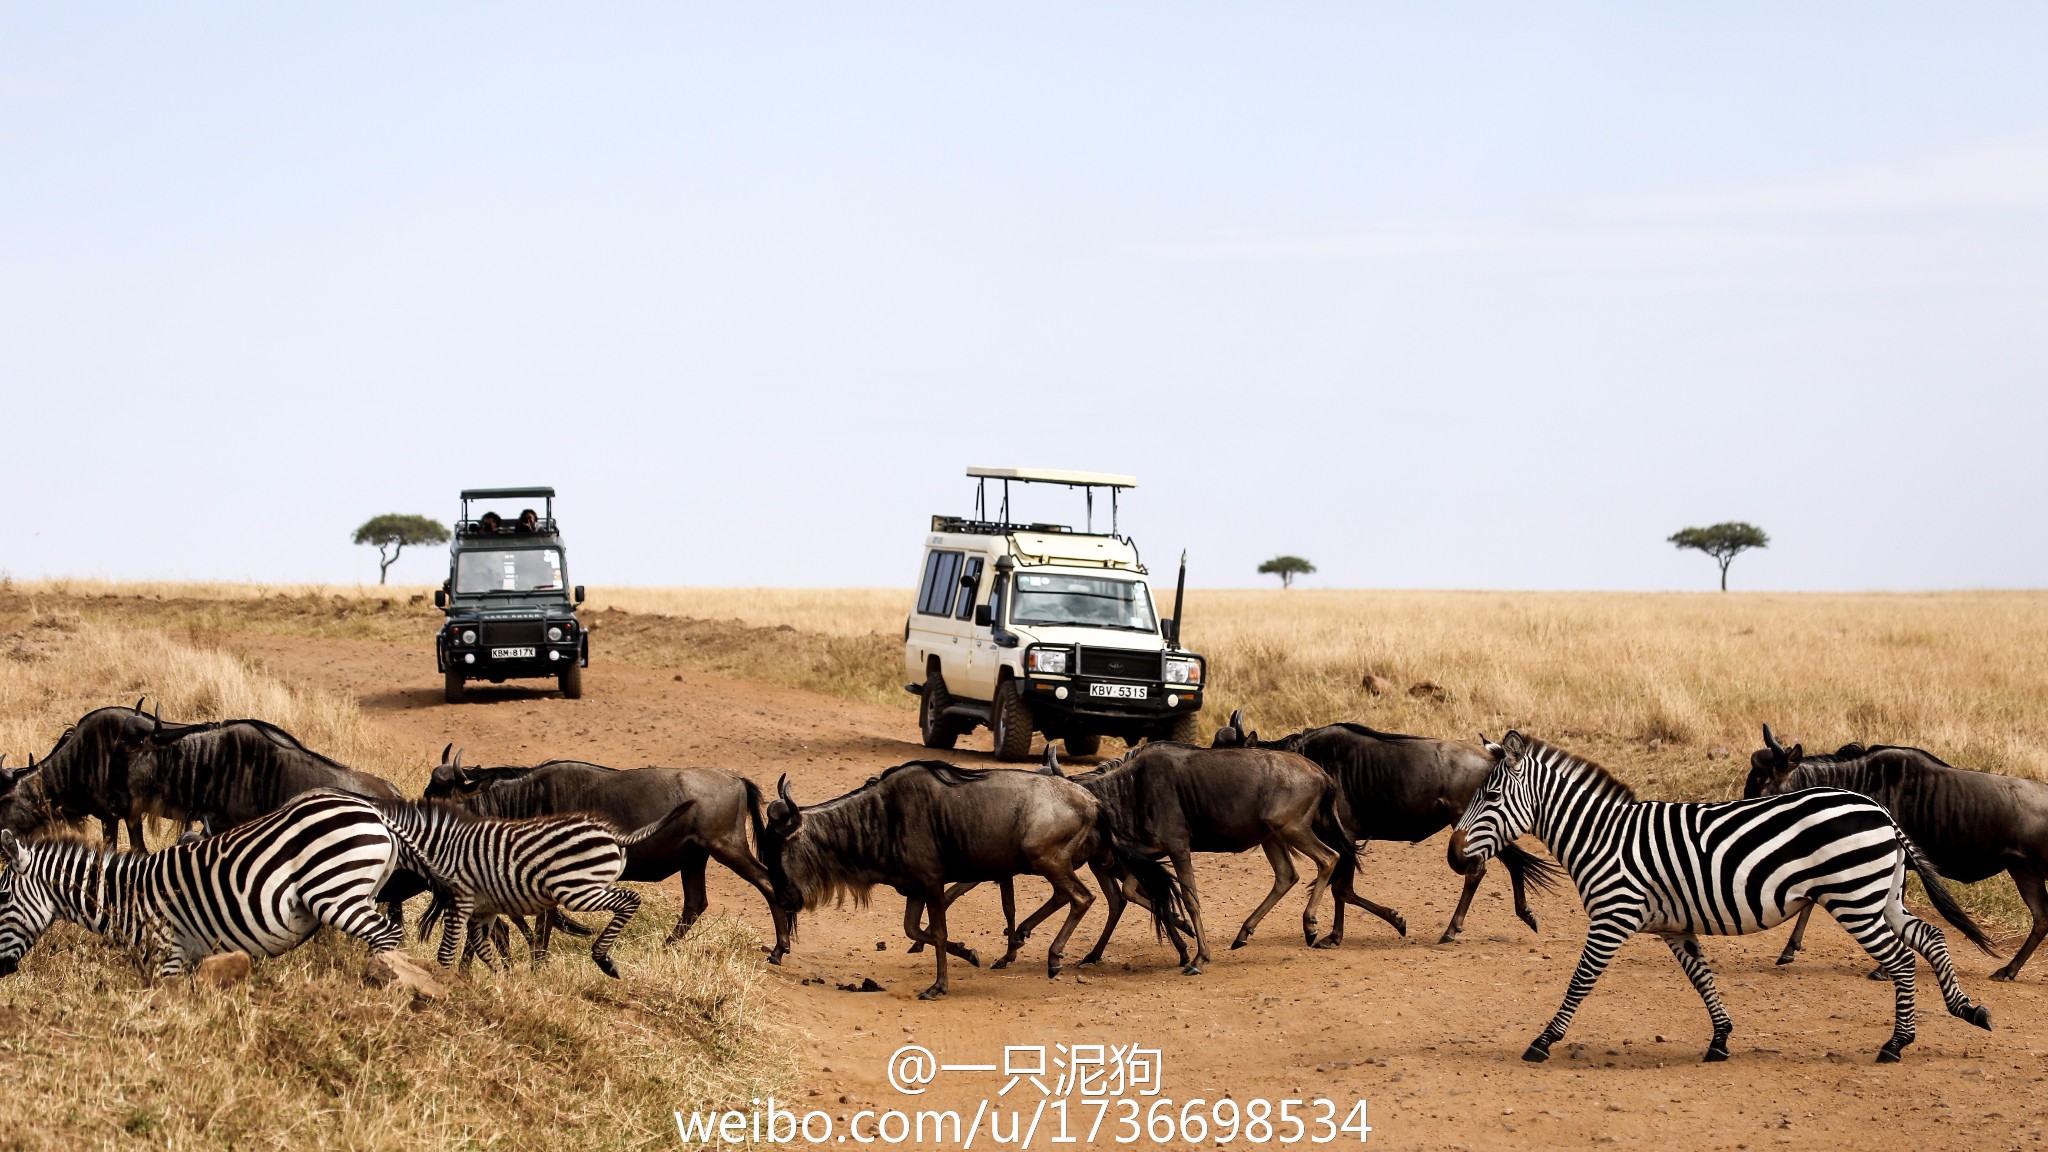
511	614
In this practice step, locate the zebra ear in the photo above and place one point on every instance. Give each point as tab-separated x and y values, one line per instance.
1516	746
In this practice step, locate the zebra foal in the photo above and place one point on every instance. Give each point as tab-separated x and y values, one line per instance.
494	867
263	887
1685	870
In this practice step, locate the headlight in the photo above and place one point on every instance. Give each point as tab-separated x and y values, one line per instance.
1051	660
1183	670
469	635
555	633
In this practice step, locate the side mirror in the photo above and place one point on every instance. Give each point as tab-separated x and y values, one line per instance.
440	598
983	617
579	593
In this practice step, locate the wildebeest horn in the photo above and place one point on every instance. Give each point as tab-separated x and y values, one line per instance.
138	702
1237	719
446	749
782	790
1052	759
1771	741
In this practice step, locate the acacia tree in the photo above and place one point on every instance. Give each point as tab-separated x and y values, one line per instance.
1724	542
392	531
1286	568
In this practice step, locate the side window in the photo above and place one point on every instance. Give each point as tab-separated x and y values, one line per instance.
941	580
970	587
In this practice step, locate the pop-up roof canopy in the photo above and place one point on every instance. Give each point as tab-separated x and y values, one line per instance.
1055	476
465	526
1088	482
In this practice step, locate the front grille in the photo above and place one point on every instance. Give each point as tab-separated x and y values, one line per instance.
1119	664
512	633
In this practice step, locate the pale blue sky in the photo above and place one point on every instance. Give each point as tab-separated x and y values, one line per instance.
1438	296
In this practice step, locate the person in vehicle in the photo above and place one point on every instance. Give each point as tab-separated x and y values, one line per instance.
489	522
529	520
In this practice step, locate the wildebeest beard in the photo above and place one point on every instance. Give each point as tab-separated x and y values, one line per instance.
87	773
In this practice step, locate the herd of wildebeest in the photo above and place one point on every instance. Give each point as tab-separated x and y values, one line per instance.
282	841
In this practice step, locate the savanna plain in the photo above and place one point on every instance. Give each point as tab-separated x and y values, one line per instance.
1667	690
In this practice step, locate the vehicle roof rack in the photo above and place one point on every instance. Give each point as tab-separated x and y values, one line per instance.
507	493
968	526
465	525
1087	482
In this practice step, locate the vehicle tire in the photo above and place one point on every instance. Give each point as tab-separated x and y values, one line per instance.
453	689
1087	745
1009	722
1185	728
572	681
932	726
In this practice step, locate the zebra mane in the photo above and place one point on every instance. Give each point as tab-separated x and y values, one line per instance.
1578	767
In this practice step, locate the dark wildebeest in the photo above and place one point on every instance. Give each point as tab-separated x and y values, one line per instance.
722	806
921	826
1399	788
1169	799
1972	825
85	774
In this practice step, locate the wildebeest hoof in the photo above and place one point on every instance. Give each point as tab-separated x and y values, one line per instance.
916	946
1527	917
1241	941
605	965
1001	964
1091	958
1192	970
931	993
1785	958
971	956
1449	937
1330	941
1400	924
1980	1016
775	958
2006	974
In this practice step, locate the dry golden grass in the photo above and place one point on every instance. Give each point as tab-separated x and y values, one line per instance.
306	1054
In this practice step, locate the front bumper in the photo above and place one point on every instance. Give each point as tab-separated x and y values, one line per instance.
1069	697
476	662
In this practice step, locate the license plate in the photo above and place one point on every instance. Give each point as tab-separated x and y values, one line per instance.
1118	691
511	653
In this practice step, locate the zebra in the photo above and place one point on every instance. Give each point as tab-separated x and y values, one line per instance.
494	867
263	887
1719	869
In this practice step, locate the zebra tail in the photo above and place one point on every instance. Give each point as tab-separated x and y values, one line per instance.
1944	901
650	831
1530	867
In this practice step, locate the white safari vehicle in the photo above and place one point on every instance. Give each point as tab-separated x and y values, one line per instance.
1037	627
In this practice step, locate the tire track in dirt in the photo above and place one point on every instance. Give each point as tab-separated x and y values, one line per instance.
1430	1034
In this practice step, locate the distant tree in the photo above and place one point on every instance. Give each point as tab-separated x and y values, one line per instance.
392	531
1724	542
1286	568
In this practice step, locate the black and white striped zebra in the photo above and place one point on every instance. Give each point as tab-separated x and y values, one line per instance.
1686	870
493	867
263	887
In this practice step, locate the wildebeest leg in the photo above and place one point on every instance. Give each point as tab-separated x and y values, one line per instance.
913	925
1519	882
1310	845
1457	923
110	831
1067	889
1184	871
746	867
939	949
2036	895
1112	891
1797	940
1685	947
620	902
135	833
1284	878
695	899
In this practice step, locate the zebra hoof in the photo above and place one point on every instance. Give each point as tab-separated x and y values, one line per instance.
1889	1054
605	964
1715	1055
1878	974
1980	1016
1537	1053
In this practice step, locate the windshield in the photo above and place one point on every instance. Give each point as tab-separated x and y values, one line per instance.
1087	601
512	570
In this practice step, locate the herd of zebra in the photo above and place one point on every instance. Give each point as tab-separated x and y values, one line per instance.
290	841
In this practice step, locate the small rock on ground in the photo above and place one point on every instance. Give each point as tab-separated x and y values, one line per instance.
395	968
223	970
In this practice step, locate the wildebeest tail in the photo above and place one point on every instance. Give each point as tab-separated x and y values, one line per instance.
1943	900
756	812
1530	867
1333	829
1169	899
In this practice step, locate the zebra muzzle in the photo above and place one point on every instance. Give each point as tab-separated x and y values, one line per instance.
1455	854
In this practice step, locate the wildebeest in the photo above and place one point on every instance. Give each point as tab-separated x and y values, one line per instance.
721	806
228	772
1399	788
85	774
1972	825
1170	799
923	825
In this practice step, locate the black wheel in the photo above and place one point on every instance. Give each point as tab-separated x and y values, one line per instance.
1087	745
932	726
1010	722
572	681
452	687
1184	728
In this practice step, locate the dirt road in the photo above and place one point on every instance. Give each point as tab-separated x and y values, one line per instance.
1431	1035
